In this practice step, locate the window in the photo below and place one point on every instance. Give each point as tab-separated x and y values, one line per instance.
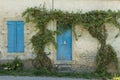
15	36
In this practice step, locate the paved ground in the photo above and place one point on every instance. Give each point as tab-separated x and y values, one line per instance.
38	78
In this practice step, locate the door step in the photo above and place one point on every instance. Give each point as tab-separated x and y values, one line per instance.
63	67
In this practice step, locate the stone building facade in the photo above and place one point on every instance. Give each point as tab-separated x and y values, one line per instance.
84	49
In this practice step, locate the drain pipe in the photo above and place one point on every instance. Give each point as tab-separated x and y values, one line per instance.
52	4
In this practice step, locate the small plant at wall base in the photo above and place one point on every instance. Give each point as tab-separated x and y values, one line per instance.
15	65
93	21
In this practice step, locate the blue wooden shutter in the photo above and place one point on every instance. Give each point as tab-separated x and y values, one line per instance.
11	36
20	36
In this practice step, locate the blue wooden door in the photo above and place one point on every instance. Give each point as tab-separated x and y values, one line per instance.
64	44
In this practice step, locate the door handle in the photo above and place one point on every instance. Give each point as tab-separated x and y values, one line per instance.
65	42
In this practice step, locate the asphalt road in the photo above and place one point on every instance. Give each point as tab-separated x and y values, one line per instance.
38	78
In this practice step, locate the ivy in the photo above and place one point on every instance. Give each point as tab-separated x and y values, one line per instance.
93	21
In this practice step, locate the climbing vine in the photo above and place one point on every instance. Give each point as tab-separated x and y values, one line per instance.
93	21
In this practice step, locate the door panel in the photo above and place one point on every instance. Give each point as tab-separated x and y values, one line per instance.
64	45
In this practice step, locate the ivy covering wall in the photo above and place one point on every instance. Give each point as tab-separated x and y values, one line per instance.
93	21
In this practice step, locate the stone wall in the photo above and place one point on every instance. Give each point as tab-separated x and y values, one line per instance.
84	49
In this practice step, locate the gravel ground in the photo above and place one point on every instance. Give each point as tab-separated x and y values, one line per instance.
38	78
